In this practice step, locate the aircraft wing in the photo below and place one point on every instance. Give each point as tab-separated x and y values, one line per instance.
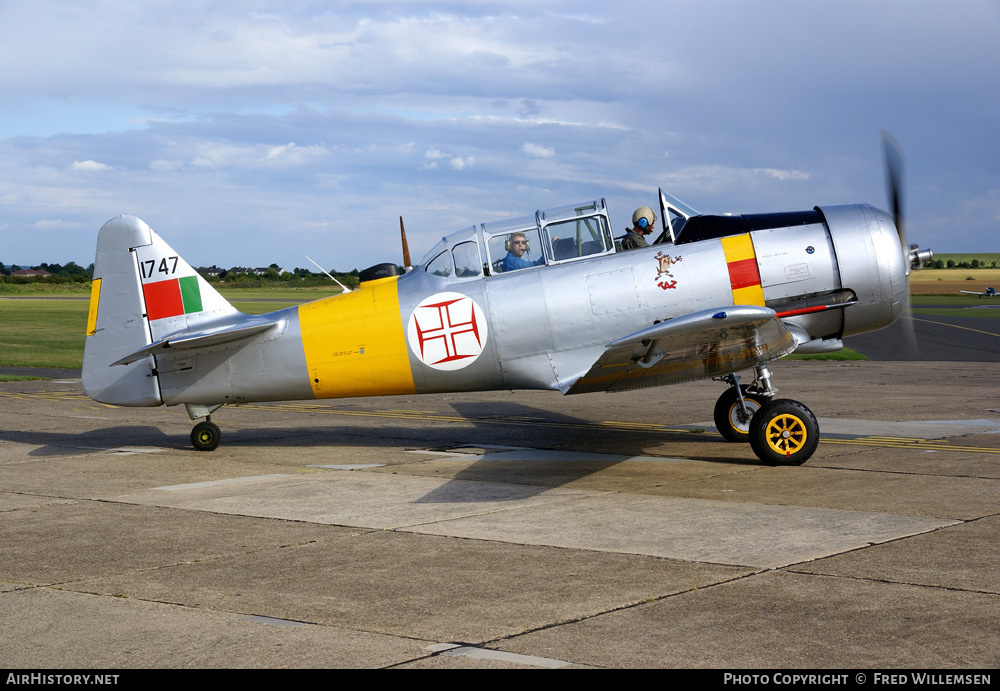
206	338
703	344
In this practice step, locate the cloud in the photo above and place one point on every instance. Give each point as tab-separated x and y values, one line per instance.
783	174
164	166
432	157
90	166
291	154
538	150
273	118
529	108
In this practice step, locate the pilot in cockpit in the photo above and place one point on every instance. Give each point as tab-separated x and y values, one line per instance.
517	246
643	220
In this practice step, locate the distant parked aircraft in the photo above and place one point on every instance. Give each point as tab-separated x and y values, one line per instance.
988	293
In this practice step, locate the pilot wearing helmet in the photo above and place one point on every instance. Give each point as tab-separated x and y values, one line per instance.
643	220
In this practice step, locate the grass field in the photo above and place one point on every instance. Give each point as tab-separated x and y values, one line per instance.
45	289
39	330
50	332
42	333
950	281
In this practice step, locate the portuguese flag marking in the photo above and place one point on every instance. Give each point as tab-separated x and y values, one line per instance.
172	298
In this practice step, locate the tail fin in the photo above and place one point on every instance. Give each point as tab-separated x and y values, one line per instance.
142	291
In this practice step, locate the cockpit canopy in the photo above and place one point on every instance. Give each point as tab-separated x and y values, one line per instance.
577	231
551	236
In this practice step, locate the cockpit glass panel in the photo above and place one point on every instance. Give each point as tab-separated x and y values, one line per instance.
519	249
467	262
579	237
440	265
508	225
569	211
451	240
676	221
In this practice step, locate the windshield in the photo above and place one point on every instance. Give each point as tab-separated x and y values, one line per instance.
675	215
564	233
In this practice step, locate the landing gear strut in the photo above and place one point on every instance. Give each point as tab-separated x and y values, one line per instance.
734	409
780	431
737	405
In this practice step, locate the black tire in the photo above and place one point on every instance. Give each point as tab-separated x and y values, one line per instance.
725	413
206	436
784	432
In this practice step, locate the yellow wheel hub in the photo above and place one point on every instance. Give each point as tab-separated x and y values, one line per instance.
785	434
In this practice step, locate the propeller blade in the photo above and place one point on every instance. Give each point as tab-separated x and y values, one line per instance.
406	248
909	347
894	181
893	155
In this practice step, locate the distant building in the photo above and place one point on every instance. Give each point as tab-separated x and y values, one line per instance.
31	273
259	271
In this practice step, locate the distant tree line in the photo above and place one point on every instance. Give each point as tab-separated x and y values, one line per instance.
952	264
273	275
70	272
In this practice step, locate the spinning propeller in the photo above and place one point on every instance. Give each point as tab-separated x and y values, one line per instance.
913	256
894	181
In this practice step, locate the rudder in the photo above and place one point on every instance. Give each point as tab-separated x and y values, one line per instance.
142	292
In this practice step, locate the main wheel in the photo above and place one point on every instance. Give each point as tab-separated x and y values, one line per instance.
727	410
206	436
784	432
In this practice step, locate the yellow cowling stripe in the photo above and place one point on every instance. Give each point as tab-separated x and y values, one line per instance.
95	300
743	271
354	343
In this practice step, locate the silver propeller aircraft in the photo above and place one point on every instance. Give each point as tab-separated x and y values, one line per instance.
544	301
988	293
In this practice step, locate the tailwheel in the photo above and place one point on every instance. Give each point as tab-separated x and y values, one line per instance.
784	432
730	420
206	436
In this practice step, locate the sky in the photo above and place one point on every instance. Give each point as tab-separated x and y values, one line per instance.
259	132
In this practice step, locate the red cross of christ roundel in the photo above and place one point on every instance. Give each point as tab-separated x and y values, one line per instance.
447	331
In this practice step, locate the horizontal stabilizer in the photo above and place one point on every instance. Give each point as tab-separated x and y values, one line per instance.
206	338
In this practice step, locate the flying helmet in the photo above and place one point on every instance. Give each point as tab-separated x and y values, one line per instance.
643	217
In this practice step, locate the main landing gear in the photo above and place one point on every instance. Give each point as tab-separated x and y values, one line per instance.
780	431
206	435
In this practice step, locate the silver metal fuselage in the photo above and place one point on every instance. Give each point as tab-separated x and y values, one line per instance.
541	327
